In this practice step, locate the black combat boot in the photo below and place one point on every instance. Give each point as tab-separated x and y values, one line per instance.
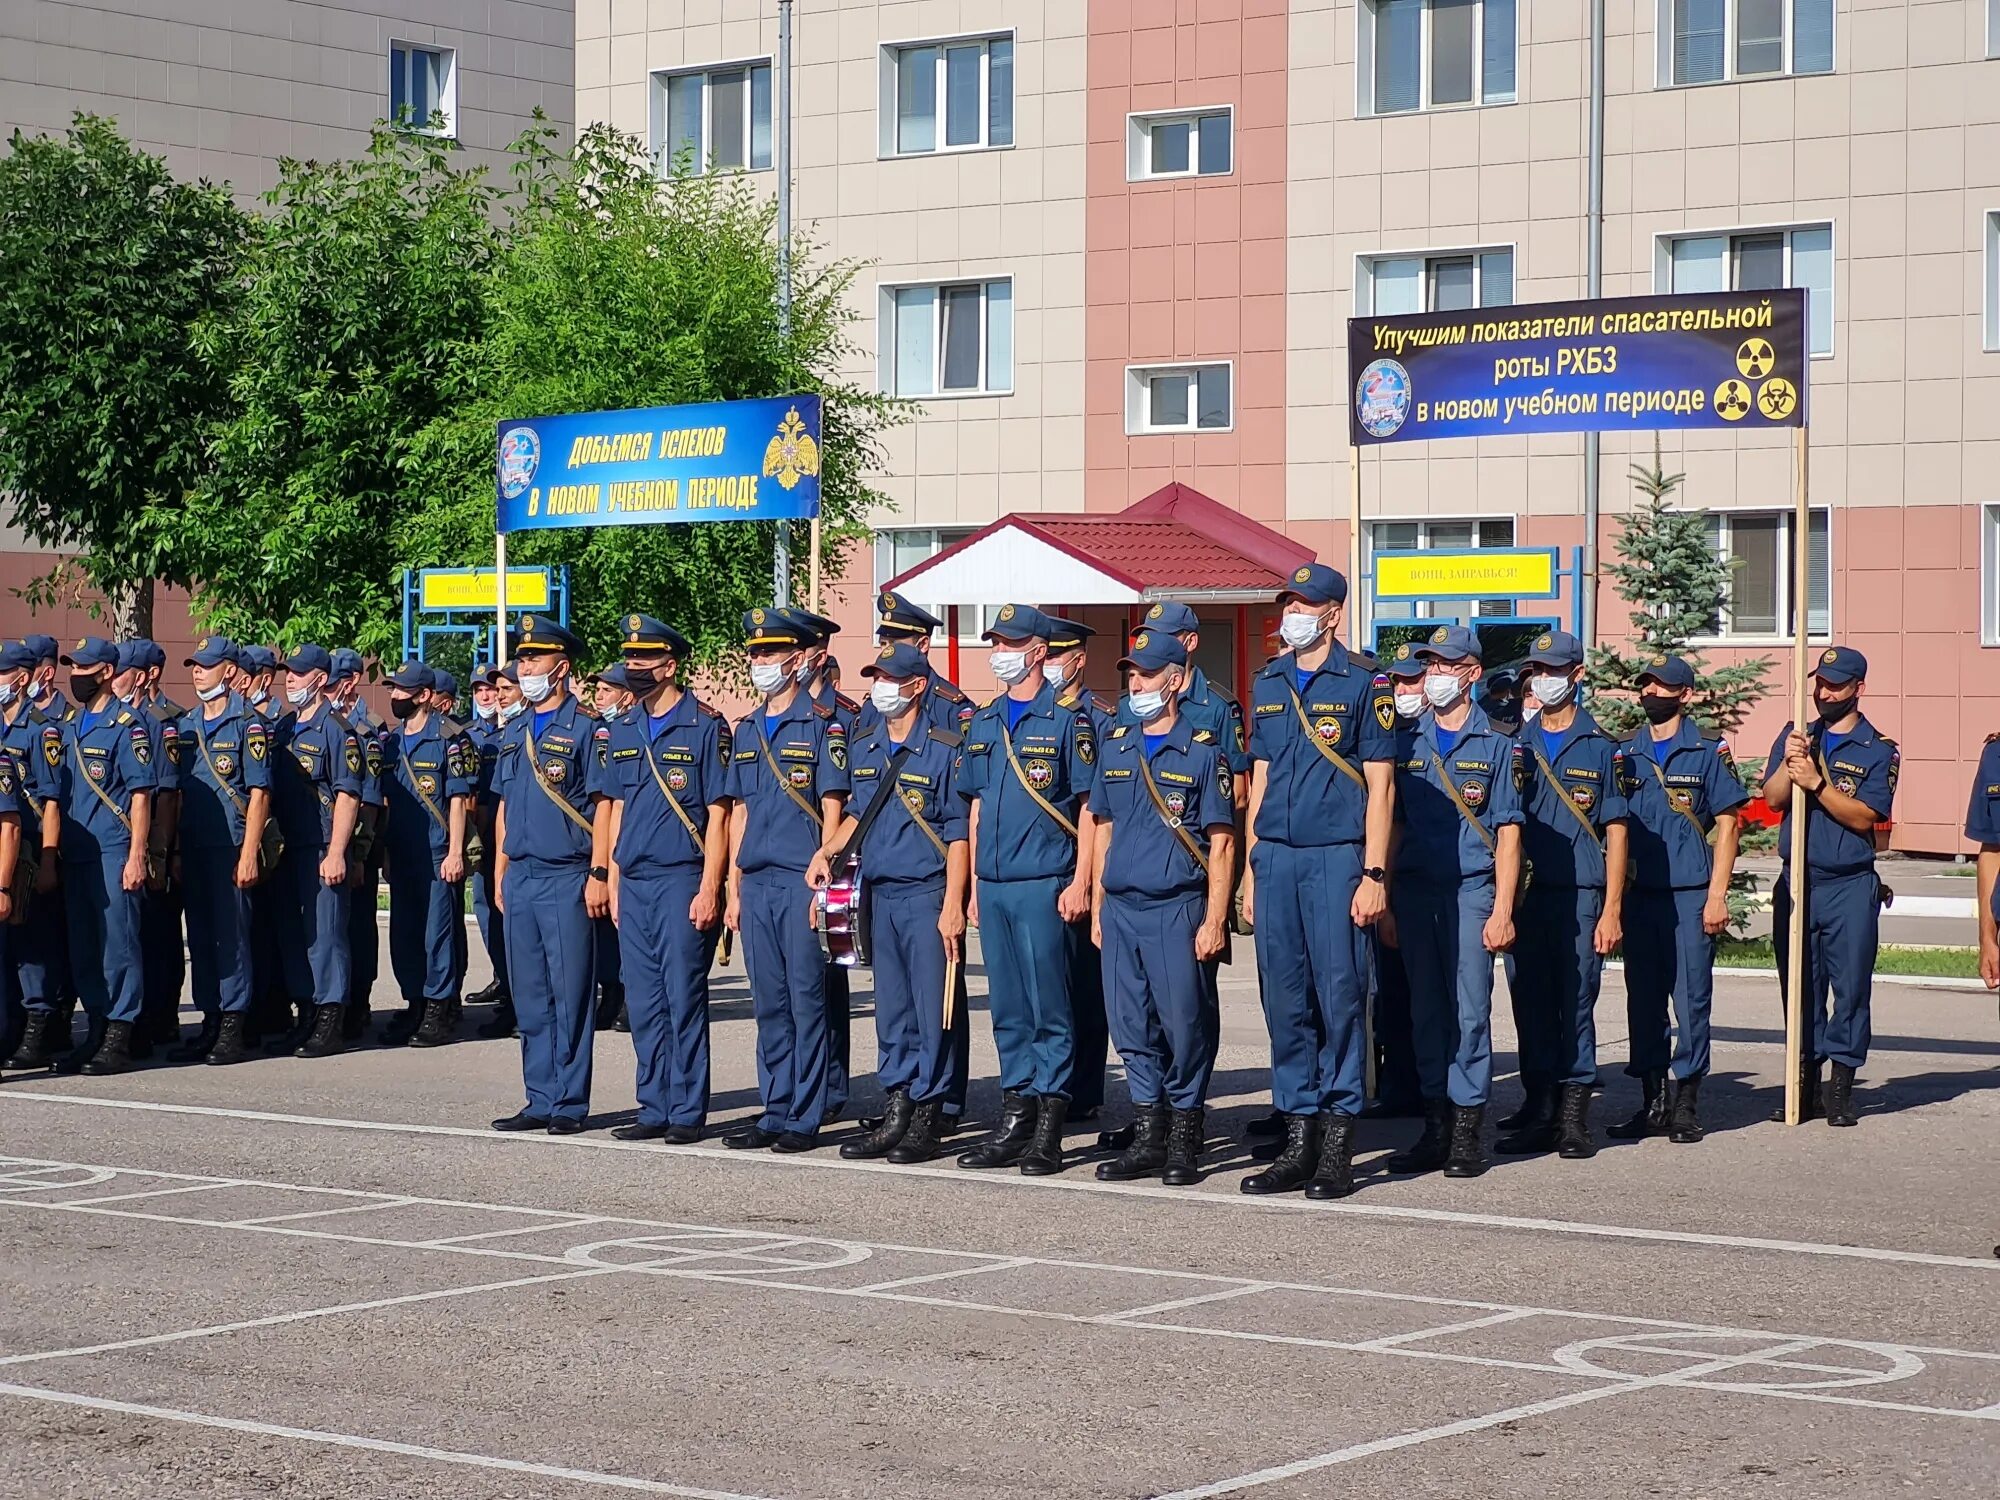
1811	1093
440	1021
1538	1107
1184	1137
1573	1140
491	995
1536	1128
501	1022
73	1060
197	1048
923	1139
34	1050
355	1017
229	1046
898	1110
1653	1112
1044	1157
1468	1152
1840	1096
1430	1150
610	1000
1293	1166
1264	1127
114	1053
325	1038
1016	1130
1146	1154
1335	1175
1686	1123
404	1024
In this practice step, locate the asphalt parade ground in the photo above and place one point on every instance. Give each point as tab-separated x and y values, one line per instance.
332	1280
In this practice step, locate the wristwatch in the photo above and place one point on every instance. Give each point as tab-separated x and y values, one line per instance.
598	872
1377	874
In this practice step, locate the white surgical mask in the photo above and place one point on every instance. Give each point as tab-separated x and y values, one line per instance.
511	712
211	694
1410	704
805	674
535	687
41	692
1300	631
1009	666
259	698
1055	674
1442	691
8	693
485	713
1148	706
767	677
887	698
1553	691
298	697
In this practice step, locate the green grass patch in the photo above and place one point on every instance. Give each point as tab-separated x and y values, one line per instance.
1929	963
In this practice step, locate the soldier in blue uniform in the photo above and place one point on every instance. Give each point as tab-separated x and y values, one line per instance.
270	1007
15	813
663	776
42	691
160	942
1679	786
258	666
1163	856
787	780
485	732
107	772
1027	771
1321	808
553	876
225	805
36	947
1204	704
1982	826
369	852
1848	768
427	779
907	824
1571	916
1457	877
1398	1095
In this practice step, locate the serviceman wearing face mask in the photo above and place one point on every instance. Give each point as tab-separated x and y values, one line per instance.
612	701
787	780
1027	769
368	852
160	941
36	946
1205	705
484	732
1321	808
251	675
1679	785
1397	1093
1458	872
508	706
41	690
907	824
1848	768
1571	916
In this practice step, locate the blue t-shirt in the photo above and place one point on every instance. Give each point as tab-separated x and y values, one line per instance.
770	726
1153	743
1447	739
656	722
88	720
1830	742
542	717
1017	708
1305	678
1551	741
1662	749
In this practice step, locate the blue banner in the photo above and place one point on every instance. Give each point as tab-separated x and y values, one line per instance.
1729	360
723	461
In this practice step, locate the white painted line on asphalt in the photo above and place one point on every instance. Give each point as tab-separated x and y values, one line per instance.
321	1213
1227	1294
199	1187
1491	1320
1214	1202
498	1234
368	1444
1010	1264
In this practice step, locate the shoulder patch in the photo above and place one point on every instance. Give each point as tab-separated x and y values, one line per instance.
1204	736
947	738
124	716
822	710
951	692
704	708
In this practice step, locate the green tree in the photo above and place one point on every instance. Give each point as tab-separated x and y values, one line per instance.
619	290
107	265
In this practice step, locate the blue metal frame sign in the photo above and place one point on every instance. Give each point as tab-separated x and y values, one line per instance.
1734	361
722	461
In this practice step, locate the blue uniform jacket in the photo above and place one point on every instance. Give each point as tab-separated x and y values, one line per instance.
1309	802
112	751
1553	838
565	751
1437	842
896	851
689	757
1057	749
164	715
316	760
1863	765
39	781
1982	811
808	746
1192	775
1207	707
1698	782
215	787
439	761
944	706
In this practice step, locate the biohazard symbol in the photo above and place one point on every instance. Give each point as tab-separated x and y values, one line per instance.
1732	400
1777	399
1756	358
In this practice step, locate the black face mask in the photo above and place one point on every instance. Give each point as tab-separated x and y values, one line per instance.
642	680
1657	709
403	708
84	686
1832	710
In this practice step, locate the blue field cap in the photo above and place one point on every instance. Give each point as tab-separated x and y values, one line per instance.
44	647
898	659
1668	671
1840	665
309	658
1153	649
1555	648
1315	583
213	651
91	651
446	684
18	656
1449	643
1406	662
615	676
345	662
413	677
257	659
133	656
1172	616
1021	622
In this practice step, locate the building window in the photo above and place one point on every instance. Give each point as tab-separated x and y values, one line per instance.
950	339
1434	54
1757	604
1439	536
1989	575
715	120
1179	398
1195	143
1993	28
423	88
1993	274
900	549
1716	41
1756	260
955	95
1389	285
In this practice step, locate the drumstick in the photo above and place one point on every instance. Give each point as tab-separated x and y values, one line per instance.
950	990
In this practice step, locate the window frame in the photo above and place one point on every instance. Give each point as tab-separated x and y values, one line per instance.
1365	263
1785	603
1663	266
447	93
1989	281
1139	126
1431	609
972	618
1138	391
1663	56
1989	573
890	83
885	336
658	80
1364	68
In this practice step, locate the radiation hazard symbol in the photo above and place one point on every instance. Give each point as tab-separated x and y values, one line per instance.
1777	399
1732	400
1755	358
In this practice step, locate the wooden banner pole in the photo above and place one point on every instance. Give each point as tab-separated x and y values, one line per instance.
499	598
950	990
813	565
1796	877
1354	641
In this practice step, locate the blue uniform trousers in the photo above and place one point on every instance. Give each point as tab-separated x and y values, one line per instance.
1093	1027
364	933
1312	962
1667	955
218	928
839	1037
787	971
1553	978
426	929
1023	939
104	940
1395	1047
162	951
914	1050
665	960
313	927
1161	1000
1438	926
39	951
492	923
551	956
267	965
1843	927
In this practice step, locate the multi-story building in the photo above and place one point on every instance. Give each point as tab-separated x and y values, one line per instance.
1114	246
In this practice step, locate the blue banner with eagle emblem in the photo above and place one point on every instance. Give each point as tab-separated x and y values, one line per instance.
721	461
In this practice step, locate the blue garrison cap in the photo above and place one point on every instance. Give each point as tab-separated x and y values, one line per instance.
345	662
1315	583
1449	643
1668	671
1555	648
540	633
257	659
212	651
1172	616
1406	662
311	659
446	684
776	626
643	633
1840	665
1152	650
895	615
92	651
1068	634
18	656
1021	622
413	677
44	647
897	659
